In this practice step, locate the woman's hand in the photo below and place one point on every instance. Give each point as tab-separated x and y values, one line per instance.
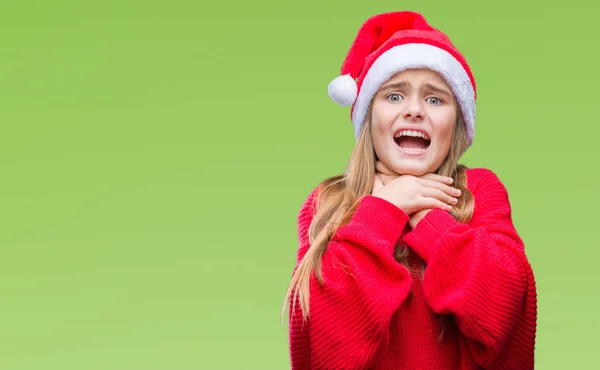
414	193
416	217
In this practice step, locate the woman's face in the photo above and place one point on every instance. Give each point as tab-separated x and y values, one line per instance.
412	118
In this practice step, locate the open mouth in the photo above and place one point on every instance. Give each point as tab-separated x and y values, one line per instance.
412	141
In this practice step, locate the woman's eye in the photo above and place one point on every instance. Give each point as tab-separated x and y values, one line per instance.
433	100
394	97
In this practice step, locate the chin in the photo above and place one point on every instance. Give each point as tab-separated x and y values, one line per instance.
416	169
413	171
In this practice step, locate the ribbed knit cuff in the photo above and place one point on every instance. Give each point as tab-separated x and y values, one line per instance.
423	237
378	219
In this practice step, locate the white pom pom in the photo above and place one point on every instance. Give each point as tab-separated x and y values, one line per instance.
343	90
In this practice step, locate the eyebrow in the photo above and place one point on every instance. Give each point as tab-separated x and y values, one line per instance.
397	85
439	90
427	86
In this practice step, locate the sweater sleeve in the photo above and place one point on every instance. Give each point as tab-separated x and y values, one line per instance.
363	287
478	272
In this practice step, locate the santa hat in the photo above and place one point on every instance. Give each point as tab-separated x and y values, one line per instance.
392	42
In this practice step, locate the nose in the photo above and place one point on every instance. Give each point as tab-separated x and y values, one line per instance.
413	111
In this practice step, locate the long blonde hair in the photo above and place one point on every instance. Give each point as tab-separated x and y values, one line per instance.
338	198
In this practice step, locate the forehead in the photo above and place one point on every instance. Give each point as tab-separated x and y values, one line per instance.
419	76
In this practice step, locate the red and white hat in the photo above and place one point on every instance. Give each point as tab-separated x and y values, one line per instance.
392	42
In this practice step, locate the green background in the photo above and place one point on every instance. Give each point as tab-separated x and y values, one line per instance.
154	156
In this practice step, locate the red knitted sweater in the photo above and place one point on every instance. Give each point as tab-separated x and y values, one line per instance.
372	313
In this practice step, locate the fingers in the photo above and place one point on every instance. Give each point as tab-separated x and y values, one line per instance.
430	203
439	195
443	187
438	178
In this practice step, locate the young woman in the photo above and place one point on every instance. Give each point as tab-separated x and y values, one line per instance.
409	260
